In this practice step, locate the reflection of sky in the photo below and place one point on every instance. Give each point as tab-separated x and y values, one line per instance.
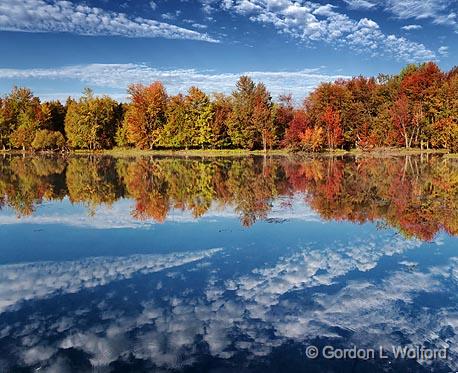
19	282
275	284
59	230
82	286
119	214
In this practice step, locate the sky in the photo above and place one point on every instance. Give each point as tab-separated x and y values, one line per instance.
58	47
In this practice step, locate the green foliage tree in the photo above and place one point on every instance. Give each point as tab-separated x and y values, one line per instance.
20	118
53	116
121	138
173	134
199	116
24	134
263	119
48	140
91	122
241	127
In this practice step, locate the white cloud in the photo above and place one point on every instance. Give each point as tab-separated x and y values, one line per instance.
450	19
171	15
360	4
119	76
64	16
207	6
312	22
199	26
437	10
153	5
443	51
411	27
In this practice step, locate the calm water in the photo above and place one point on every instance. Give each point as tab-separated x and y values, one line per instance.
226	265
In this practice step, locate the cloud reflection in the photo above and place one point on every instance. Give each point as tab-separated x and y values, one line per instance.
251	313
20	282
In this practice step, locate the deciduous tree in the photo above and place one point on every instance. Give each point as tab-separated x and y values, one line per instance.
402	120
262	119
48	140
295	130
241	127
199	117
146	114
20	117
222	107
333	128
91	122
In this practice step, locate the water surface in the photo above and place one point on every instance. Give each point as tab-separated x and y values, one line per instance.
226	264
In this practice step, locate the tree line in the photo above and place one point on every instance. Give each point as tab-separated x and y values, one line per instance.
415	195
416	108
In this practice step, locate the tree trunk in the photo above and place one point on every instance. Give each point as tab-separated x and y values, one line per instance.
410	141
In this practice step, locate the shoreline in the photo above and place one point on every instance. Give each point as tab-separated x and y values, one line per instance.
130	152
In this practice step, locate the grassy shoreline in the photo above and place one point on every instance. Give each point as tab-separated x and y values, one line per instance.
129	152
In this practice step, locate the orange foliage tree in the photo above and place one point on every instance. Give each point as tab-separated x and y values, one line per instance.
145	116
334	133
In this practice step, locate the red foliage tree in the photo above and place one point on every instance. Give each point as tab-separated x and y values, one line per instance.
400	115
334	133
295	130
284	114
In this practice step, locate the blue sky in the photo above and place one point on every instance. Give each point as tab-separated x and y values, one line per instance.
59	47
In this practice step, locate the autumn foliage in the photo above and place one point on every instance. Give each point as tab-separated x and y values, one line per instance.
332	124
416	108
414	194
145	115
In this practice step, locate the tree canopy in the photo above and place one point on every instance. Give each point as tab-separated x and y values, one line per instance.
416	108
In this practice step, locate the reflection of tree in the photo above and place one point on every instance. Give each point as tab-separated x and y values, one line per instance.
417	196
158	185
93	180
252	185
145	184
26	182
